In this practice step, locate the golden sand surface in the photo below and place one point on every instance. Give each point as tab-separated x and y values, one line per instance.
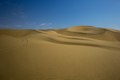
75	53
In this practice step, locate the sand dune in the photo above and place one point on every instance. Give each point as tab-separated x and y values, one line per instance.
75	53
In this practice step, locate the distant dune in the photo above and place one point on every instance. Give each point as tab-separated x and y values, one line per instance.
75	53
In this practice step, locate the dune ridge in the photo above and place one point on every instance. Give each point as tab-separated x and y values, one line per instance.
79	31
55	37
78	35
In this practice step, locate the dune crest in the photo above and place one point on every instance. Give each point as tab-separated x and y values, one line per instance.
89	29
85	29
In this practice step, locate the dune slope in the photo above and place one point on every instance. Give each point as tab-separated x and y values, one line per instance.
75	53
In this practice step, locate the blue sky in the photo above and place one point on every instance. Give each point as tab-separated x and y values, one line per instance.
38	14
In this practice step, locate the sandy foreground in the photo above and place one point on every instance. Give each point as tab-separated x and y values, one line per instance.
75	53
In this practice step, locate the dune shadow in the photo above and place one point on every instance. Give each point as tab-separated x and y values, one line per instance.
80	44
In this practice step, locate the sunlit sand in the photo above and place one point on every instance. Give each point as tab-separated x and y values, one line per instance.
75	53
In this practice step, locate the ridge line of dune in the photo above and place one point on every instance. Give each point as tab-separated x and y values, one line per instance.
54	33
57	38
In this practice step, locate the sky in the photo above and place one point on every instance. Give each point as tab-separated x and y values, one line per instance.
42	14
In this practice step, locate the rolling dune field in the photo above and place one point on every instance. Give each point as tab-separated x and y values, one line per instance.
75	53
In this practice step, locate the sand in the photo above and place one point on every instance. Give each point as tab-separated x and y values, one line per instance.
75	53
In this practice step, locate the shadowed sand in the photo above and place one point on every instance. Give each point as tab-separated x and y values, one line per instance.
75	53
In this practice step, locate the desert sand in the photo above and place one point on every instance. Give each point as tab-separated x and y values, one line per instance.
75	53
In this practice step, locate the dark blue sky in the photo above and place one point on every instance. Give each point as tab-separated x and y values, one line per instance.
59	13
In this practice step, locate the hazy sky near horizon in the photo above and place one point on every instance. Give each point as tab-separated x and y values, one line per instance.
38	14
